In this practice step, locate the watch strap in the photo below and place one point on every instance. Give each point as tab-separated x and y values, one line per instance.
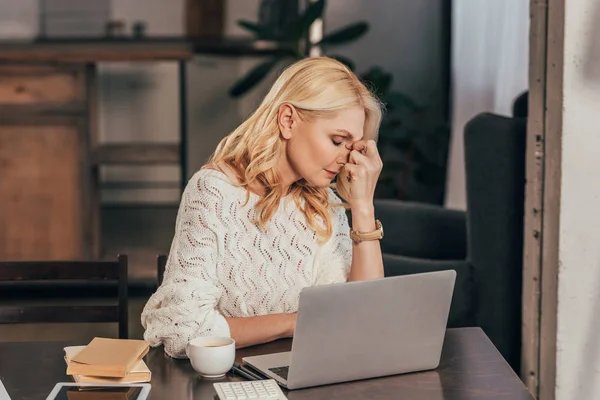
377	234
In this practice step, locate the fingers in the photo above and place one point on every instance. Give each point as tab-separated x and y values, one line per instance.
373	154
369	155
372	148
357	157
366	147
354	171
361	146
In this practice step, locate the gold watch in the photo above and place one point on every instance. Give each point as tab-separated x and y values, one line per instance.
377	234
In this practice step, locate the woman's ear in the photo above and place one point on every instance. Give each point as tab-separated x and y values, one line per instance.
286	120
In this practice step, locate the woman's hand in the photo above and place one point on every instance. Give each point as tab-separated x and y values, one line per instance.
250	331
292	324
364	166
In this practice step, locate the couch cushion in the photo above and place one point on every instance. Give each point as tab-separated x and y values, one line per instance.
422	230
462	310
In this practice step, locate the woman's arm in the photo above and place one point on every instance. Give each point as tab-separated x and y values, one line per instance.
249	331
367	260
185	305
364	166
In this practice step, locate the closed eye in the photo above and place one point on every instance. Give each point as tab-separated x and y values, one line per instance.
337	140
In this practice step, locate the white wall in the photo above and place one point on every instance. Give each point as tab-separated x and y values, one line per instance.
578	318
18	22
139	102
405	37
212	113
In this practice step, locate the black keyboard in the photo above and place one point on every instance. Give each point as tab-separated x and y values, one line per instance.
280	371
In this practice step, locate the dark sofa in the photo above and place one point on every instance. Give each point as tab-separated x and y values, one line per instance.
484	245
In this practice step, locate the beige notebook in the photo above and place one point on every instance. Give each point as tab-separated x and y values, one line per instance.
138	374
111	358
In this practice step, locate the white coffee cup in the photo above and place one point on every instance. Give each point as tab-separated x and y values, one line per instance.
211	356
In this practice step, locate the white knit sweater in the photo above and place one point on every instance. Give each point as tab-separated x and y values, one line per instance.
222	265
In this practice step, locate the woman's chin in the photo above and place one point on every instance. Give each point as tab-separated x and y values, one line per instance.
326	183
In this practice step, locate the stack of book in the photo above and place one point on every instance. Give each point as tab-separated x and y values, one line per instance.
108	361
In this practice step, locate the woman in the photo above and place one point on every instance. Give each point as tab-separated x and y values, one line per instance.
260	222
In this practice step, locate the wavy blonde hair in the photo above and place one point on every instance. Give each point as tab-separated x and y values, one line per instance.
317	87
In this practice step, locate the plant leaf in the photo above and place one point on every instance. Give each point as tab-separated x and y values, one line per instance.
262	32
390	123
344	60
379	81
312	13
397	99
345	35
253	77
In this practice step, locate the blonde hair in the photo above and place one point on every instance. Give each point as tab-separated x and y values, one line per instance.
318	88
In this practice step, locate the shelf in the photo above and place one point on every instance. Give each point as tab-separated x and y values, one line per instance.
90	50
241	47
127	185
102	49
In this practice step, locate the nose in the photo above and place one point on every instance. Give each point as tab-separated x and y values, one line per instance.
343	157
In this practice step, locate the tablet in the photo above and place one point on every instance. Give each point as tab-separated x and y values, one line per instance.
3	393
104	391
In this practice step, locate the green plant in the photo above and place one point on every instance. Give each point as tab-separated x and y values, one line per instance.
412	143
297	36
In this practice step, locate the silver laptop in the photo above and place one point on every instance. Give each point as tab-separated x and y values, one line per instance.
366	329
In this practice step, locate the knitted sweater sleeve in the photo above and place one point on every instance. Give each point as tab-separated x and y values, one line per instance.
184	306
334	258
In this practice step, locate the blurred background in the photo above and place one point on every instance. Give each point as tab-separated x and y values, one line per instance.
109	106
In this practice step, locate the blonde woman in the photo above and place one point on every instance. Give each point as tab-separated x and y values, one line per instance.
260	221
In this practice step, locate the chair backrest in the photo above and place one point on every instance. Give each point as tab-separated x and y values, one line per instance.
495	183
161	263
421	230
28	271
520	107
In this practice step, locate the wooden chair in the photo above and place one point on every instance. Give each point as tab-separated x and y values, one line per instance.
161	263
21	271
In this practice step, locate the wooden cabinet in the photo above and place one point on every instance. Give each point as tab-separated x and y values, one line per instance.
49	155
48	199
42	86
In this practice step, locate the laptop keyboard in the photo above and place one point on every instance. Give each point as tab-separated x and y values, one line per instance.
280	371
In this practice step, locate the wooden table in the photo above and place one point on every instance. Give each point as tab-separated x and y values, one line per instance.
471	368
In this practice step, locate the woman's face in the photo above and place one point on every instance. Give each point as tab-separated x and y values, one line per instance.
317	150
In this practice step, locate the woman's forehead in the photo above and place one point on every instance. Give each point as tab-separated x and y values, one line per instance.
347	122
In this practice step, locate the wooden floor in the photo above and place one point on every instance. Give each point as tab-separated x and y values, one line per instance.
141	233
